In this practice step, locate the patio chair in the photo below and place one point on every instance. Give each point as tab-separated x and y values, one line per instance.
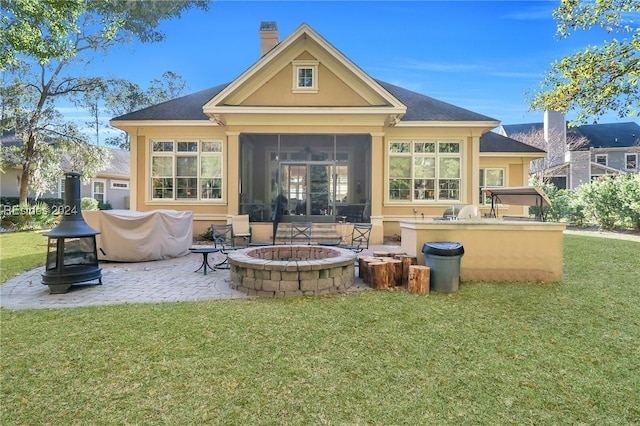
241	228
225	240
301	232
359	238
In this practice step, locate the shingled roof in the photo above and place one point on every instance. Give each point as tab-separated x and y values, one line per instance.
424	108
187	107
493	142
611	135
419	107
605	135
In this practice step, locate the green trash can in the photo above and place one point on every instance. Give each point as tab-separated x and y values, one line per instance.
443	257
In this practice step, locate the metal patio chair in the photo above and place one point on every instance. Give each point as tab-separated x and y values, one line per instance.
225	240
301	232
359	238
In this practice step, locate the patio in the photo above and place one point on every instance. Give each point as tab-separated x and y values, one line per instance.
169	280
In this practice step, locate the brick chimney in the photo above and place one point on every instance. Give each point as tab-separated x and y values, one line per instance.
268	36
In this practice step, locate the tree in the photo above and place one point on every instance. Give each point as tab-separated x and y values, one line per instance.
555	146
90	101
124	97
41	39
596	79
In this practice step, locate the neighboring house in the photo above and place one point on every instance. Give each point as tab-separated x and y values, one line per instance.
611	148
110	185
306	126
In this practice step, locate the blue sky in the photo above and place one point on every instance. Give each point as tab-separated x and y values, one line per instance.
480	55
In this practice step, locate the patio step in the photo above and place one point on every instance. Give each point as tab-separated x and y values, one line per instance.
319	232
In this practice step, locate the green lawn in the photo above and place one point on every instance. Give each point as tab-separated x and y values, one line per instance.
20	251
492	353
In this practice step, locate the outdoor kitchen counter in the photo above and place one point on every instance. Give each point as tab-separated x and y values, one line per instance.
494	249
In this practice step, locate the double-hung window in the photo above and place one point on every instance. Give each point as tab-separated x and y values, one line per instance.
631	161
186	170
601	159
490	178
425	170
98	189
61	188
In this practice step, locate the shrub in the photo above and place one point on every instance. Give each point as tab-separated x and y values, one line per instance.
53	203
88	203
27	217
629	192
105	206
207	235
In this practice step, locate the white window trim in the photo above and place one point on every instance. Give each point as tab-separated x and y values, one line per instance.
124	183
606	159
104	185
461	155
149	187
504	183
625	160
60	185
297	65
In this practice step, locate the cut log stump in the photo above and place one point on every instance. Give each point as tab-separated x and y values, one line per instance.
387	253
406	262
379	275
395	272
419	279
364	271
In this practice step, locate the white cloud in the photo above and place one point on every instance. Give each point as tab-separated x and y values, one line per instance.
516	74
439	66
536	13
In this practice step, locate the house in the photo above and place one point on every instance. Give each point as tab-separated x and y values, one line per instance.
110	185
304	129
609	148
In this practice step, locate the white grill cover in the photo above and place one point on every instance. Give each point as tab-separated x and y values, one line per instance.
129	236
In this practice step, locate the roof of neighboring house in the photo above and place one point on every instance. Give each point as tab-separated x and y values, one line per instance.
9	138
493	142
419	107
515	129
611	135
605	135
119	164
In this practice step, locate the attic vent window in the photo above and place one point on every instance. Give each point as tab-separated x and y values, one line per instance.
305	76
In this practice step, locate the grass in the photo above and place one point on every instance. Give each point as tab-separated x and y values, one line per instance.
21	251
492	353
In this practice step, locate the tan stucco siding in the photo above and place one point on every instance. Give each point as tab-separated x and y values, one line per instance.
516	174
209	211
395	210
332	91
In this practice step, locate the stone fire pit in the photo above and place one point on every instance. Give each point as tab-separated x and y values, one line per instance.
292	270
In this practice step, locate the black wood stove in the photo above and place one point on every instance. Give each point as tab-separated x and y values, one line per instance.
72	255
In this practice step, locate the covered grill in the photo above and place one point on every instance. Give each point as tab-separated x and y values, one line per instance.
72	255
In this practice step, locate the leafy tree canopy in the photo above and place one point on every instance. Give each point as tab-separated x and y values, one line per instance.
40	40
125	96
47	29
597	79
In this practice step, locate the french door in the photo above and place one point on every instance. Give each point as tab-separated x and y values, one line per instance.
309	189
